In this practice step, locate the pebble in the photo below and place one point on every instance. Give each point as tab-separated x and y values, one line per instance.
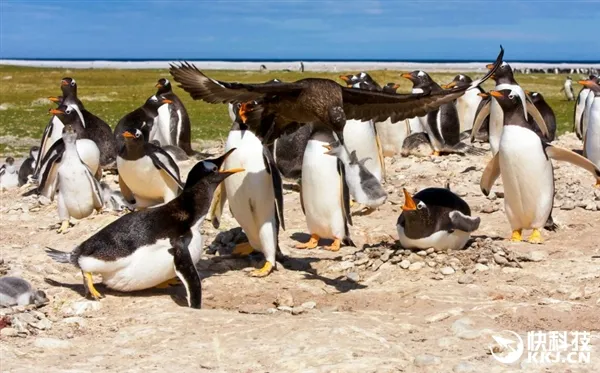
462	328
431	263
463	367
499	259
387	255
404	264
426	360
353	276
51	343
298	310
285	309
488	209
82	307
466	279
361	261
80	321
447	271
309	305
481	267
343	266
43	200
431	250
568	205
284	299
422	253
9	332
376	264
416	266
438	317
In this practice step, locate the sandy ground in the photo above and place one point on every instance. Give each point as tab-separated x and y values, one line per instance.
391	320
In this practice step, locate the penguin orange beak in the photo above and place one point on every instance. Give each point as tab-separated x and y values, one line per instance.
483	94
64	82
496	94
167	101
53	99
158	85
232	171
128	135
409	202
345	78
328	147
449	85
55	111
396	86
245	108
585	83
407	75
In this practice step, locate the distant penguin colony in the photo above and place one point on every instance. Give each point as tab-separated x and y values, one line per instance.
327	138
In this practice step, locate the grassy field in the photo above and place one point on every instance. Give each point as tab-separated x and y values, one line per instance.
111	94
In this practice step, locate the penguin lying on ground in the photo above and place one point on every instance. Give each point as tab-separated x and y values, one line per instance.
591	143
147	174
15	291
523	160
416	144
435	217
547	114
132	253
9	175
172	125
324	196
28	166
79	193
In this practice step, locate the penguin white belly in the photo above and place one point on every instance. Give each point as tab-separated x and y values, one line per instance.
54	136
321	191
146	267
250	193
528	178
592	136
496	125
89	154
74	188
585	119
416	125
467	107
579	108
163	126
441	240
178	130
9	180
360	136
392	136
143	178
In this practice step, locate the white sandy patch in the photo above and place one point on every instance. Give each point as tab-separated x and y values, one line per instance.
43	101
100	98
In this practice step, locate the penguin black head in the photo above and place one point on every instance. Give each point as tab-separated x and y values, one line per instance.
164	86
504	73
508	100
208	172
420	80
391	87
459	81
66	113
39	298
10	161
535	97
353	80
414	209
34	151
68	86
153	103
350	79
592	84
132	136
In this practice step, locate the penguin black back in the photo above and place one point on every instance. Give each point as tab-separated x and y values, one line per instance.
547	113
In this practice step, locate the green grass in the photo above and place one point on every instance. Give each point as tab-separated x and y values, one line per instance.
112	93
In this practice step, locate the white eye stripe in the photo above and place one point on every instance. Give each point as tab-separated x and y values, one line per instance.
421	73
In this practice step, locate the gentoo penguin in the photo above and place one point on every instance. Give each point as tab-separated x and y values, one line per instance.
355	80
325	197
132	253
364	187
15	291
579	109
79	193
547	113
416	144
9	175
504	80
568	89
147	174
288	151
442	125
591	144
483	128
435	217
467	104
172	125
256	195
589	100
141	118
28	165
523	160
185	269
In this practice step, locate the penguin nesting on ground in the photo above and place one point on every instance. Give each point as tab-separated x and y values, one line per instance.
15	291
585	115
580	108
547	114
28	166
172	125
256	195
324	196
467	104
568	89
591	143
435	217
141	118
9	175
147	174
442	125
79	193
504	80
523	160
416	144
132	253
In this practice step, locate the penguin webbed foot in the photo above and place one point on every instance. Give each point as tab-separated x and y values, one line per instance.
535	237
516	236
311	244
90	290
242	249
171	282
335	246
264	271
64	226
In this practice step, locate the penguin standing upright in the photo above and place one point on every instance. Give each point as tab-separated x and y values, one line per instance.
435	217
467	104
589	100
147	174
579	109
28	166
288	151
9	175
141	118
591	144
79	193
547	114
172	125
132	253
568	89
256	195
325	197
523	160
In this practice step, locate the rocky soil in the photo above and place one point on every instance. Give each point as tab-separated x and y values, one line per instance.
374	308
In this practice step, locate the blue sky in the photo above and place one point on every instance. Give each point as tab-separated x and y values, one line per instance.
309	29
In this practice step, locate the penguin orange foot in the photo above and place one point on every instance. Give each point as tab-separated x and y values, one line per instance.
335	246
166	284
64	226
436	153
242	249
90	290
535	237
311	244
266	269
516	236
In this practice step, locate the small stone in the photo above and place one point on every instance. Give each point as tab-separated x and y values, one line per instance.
481	267
499	259
568	205
463	367
82	307
342	266
44	201
404	264
298	310
387	255
80	321
353	276
489	209
437	276
438	317
426	360
70	336
252	309
309	305
577	294
431	263
9	332
42	324
412	257
466	279
590	206
51	343
361	261
284	299
462	328
416	266
431	250
447	271
376	264
285	309
422	253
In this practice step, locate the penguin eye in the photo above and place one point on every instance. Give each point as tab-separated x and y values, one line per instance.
137	134
68	111
420	206
214	168
511	96
73	83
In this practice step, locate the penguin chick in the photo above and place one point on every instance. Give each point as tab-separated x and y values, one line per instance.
28	166
9	175
15	291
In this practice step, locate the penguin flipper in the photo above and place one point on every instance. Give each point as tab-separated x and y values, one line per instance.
163	161
49	182
539	120
483	111
125	191
96	189
566	155
277	183
217	204
2	169
345	195
464	222
44	144
490	174
185	269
